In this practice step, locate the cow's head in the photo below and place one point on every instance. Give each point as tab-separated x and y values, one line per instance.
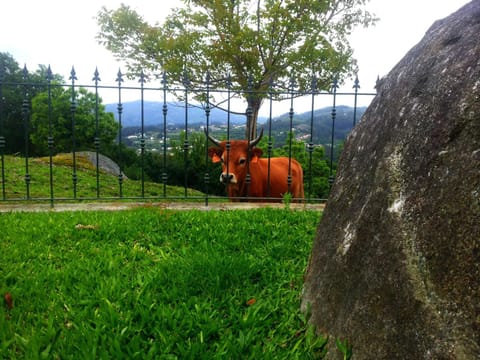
234	155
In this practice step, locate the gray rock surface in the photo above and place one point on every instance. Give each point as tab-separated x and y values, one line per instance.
104	163
395	266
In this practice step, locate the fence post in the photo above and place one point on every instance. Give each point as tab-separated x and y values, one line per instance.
25	116
186	145
50	140
73	109
142	127
2	129
290	138
207	118
229	104
96	140
251	135
119	81
331	178
310	146
356	86
164	112
270	142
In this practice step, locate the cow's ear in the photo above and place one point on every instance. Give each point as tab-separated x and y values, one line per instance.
215	154
256	153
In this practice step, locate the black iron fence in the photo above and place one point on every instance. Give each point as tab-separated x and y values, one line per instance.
165	159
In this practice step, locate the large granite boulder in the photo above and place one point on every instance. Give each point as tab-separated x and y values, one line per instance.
395	266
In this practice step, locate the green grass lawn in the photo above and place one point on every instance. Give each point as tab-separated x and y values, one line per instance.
156	284
15	186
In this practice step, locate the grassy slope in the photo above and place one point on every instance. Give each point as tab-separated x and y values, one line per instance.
157	284
39	171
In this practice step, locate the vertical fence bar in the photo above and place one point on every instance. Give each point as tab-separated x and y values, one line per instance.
228	83
229	107
50	140
186	146
310	146
25	116
164	138
356	86
332	143
96	140
290	138
119	81
270	142
2	130
250	135
73	109
142	127
207	118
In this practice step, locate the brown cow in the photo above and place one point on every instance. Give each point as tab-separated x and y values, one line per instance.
244	158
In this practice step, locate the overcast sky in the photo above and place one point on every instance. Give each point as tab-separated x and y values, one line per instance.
62	34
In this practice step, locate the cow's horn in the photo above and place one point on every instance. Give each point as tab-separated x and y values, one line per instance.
211	138
256	140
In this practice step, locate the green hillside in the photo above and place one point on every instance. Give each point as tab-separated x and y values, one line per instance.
39	187
321	131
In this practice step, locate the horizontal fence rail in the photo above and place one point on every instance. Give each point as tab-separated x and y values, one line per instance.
60	125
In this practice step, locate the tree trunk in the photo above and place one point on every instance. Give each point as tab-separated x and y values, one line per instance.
252	116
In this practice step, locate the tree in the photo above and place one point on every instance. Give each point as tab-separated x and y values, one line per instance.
60	126
189	167
17	88
11	125
260	43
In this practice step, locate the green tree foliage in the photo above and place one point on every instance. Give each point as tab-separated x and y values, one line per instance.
18	88
60	125
11	125
259	43
189	167
25	106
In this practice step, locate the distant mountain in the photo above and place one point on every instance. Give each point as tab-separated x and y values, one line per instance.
321	131
153	114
